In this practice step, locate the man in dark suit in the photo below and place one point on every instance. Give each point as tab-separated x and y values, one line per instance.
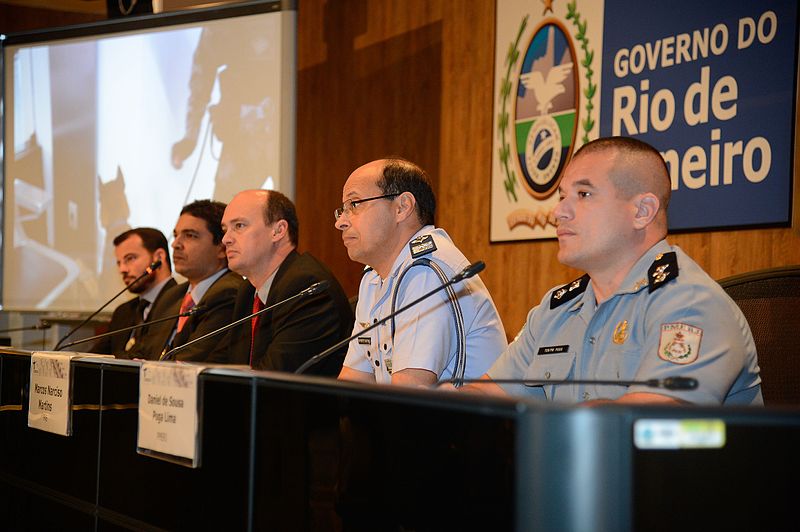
135	250
199	255
261	231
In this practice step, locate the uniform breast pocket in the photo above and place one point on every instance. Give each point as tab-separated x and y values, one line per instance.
618	364
556	367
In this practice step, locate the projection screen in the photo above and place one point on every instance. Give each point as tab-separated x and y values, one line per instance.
118	125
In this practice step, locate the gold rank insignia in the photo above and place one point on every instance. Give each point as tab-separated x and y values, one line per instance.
663	270
621	332
569	291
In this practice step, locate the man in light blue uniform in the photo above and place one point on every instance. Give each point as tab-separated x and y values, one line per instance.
644	310
387	224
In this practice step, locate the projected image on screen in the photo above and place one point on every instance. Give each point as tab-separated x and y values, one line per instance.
113	131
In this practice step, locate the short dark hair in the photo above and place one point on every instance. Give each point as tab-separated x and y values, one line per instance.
401	175
152	240
211	212
279	207
660	182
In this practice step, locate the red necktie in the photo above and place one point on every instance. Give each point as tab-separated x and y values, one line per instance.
257	305
186	305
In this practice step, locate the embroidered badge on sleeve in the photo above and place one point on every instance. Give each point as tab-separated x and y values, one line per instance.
679	343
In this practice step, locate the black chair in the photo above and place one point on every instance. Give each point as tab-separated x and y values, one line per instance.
770	300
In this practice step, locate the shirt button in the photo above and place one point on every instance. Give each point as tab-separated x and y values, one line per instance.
592	340
546	374
586	396
378	363
385	347
369	355
374	320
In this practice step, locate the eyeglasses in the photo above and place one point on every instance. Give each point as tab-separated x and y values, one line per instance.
349	207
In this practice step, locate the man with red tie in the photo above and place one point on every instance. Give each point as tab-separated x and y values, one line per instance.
198	255
261	231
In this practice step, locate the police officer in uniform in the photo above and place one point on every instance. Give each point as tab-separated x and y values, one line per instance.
644	310
387	224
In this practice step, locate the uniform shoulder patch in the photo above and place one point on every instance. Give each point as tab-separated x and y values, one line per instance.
422	245
569	291
679	343
663	270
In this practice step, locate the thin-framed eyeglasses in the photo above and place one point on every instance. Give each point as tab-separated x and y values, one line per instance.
349	207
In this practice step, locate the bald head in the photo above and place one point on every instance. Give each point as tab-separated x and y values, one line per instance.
638	169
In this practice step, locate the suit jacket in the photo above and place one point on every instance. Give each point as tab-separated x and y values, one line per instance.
292	333
218	300
125	316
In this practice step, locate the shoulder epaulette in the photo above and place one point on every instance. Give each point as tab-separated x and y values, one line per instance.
422	245
663	270
569	291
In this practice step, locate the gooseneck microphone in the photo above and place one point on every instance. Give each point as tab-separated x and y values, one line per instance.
669	383
41	326
314	289
191	312
148	271
466	273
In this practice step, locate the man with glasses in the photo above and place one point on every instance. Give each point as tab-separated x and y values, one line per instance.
260	236
387	224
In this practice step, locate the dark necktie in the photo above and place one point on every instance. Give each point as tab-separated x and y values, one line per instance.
141	306
257	305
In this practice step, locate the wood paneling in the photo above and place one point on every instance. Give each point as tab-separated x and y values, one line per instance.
344	119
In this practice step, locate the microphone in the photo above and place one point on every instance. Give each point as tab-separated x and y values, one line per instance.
314	289
669	383
466	273
191	312
41	326
148	271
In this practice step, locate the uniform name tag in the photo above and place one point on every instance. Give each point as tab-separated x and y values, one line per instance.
364	340
552	349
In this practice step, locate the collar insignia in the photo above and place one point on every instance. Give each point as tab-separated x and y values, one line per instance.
569	291
663	270
422	245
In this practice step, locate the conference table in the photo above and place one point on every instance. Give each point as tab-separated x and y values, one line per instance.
286	452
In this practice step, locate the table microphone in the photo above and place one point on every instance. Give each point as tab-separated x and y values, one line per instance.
314	289
148	271
466	273
669	383
191	312
41	326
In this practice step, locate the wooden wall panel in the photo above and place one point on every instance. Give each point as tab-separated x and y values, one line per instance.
343	42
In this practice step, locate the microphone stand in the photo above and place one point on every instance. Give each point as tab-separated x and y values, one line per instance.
149	271
189	312
41	326
466	273
311	290
669	383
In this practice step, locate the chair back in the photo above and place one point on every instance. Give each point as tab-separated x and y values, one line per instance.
770	300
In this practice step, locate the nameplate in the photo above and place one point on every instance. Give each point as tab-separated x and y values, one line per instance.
169	427
50	396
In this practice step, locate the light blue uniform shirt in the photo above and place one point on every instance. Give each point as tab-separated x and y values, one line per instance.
655	326
425	335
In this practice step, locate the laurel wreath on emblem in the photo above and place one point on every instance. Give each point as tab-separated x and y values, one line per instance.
512	57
